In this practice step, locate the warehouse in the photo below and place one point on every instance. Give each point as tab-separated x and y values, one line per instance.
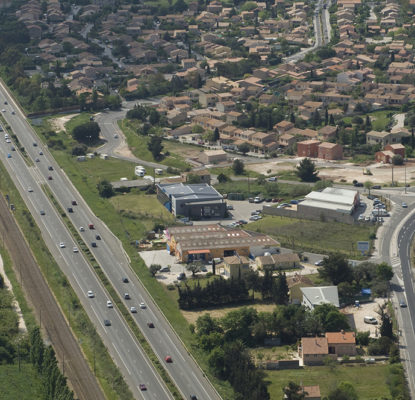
206	242
194	201
339	200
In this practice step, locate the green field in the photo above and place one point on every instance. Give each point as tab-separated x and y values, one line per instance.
368	380
315	236
138	145
23	385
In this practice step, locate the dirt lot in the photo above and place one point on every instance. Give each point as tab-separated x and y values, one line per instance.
356	316
58	124
38	294
381	173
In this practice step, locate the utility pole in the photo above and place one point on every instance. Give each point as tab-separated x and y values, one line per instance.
392	176
405	176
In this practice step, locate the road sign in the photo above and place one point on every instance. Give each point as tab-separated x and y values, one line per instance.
363	247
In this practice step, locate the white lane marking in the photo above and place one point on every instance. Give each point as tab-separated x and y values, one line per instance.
121	358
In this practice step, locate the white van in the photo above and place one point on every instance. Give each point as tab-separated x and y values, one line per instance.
140	172
158	171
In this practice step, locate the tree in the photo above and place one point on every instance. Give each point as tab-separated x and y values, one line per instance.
105	189
222	178
331	120
193	178
384	272
216	135
243	148
280	292
194	267
238	167
331	319
155	146
87	133
397	159
37	349
345	391
79	149
386	327
154	268
294	392
154	117
336	269
306	171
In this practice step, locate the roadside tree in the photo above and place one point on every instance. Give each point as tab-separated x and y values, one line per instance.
87	133
155	146
238	167
306	170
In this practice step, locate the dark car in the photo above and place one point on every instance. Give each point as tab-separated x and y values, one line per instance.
97	237
142	386
150	324
127	296
376	187
251	199
50	178
70	209
93	244
358	184
402	304
124	279
193	397
50	168
107	322
34	144
74	203
168	359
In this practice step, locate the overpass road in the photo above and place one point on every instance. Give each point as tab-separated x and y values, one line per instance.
184	371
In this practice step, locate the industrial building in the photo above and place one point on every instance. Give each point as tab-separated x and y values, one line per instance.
195	201
206	242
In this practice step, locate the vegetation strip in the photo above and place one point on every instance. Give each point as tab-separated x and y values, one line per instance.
112	382
115	297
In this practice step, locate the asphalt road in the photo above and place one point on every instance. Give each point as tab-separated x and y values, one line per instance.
188	377
123	347
81	379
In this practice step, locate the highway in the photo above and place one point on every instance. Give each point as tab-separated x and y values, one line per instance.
109	253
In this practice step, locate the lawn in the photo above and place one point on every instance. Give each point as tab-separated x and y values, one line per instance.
80	119
315	236
368	380
23	385
138	145
380	119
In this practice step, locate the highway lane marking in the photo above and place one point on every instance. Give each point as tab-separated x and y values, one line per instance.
121	358
99	319
194	375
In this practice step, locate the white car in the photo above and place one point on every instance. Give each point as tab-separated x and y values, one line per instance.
29	189
75	250
81	229
133	310
90	294
109	304
142	305
61	245
8	140
318	263
3	110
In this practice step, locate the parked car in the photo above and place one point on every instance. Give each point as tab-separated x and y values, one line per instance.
358	184
319	263
181	276
402	304
404	205
272	179
370	320
376	187
361	217
165	269
229	207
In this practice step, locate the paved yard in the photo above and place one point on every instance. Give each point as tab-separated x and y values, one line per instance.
356	316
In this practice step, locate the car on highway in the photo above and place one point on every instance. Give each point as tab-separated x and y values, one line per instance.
125	279
42	212
109	304
127	296
34	144
70	210
91	226
133	309
9	155
81	229
3	110
50	168
62	245
150	324
41	153
168	359
142	386
75	249
142	306
94	244
90	294
74	203
402	304
115	136
30	189
8	140
13	112
97	237
319	263
37	160
404	205
5	102
107	322
50	178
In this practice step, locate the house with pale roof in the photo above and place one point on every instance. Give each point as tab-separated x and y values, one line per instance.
315	296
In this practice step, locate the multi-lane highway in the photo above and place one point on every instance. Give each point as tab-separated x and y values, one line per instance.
109	253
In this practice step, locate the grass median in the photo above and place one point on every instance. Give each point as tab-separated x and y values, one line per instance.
107	373
114	296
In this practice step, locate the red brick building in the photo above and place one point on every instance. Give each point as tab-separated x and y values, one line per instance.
330	151
386	155
308	148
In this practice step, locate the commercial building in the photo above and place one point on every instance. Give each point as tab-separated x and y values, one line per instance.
315	296
193	201
206	242
334	199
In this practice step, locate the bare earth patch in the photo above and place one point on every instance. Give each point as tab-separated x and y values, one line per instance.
58	124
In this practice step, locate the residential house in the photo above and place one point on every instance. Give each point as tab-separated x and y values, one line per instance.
327	132
384	138
276	261
286	140
314	296
207	99
308	148
213	156
386	155
283	126
341	343
313	351
176	117
235	266
226	106
330	151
